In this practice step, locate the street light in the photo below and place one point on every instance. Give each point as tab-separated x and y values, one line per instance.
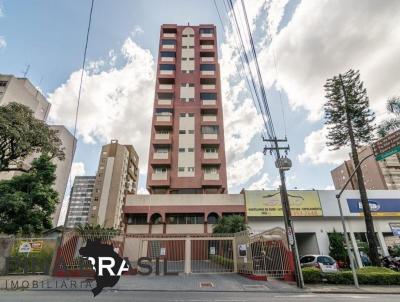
349	253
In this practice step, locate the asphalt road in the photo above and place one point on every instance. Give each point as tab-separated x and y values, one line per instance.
158	296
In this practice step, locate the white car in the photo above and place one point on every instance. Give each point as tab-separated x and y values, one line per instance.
325	263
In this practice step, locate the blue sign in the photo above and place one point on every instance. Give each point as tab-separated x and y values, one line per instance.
378	206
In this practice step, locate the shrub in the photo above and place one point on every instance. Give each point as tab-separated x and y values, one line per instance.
227	262
368	275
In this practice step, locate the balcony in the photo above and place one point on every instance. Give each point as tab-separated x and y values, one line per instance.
162	136
161	155
164	102
166	86
207	46
211	176
167	59
168	46
209	102
163	118
209	118
206	35
167	72
207	59
169	35
159	176
207	72
209	136
208	86
210	155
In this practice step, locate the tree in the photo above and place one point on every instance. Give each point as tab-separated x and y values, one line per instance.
28	200
21	135
96	231
392	124
350	122
230	225
337	249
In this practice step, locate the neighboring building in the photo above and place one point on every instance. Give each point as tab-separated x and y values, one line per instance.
117	176
63	167
21	90
79	201
378	175
187	150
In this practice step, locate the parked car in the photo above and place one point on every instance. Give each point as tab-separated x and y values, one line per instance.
325	263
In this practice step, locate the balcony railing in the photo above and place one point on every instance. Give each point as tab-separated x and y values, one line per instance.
209	102
168	46
166	86
209	118
167	72
164	102
206	35
211	176
208	86
158	155
210	136
161	136
207	46
207	59
163	118
159	176
207	72
210	155
167	59
169	35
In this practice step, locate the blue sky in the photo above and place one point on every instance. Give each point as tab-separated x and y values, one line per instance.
310	41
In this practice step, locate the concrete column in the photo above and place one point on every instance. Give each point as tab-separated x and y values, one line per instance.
382	243
234	254
188	255
355	249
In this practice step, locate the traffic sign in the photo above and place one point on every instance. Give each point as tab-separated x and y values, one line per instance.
387	146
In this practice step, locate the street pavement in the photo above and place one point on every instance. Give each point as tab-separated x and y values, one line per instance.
156	296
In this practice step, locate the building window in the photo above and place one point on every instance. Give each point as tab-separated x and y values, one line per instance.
190	169
181	149
181	169
137	219
182	114
210	170
191	114
182	131
189	218
3	83
191	131
160	170
168	42
167	67
207	67
206	30
208	96
210	150
168	54
190	149
209	129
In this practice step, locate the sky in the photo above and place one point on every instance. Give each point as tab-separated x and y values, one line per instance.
299	44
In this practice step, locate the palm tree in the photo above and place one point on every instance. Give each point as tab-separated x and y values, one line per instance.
392	124
230	225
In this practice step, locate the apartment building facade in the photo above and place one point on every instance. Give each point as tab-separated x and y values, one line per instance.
79	201
117	176
22	91
187	150
378	175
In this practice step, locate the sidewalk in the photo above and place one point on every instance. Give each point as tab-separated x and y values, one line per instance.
350	289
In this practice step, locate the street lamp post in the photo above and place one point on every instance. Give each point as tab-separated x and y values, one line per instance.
349	253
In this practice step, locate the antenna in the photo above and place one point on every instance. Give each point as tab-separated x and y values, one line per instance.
28	66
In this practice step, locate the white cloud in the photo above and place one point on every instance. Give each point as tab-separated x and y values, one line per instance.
1	10
3	42
77	169
316	151
262	183
243	169
324	38
115	103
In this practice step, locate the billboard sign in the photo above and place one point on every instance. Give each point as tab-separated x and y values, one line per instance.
378	206
267	203
387	146
395	227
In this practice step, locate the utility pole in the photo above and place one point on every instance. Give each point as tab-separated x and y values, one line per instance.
283	163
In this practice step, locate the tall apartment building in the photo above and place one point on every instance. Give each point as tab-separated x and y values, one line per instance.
117	176
79	201
378	175
21	90
187	150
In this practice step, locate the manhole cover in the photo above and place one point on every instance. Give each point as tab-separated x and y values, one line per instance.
206	284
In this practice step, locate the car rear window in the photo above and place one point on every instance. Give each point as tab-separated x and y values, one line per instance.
325	260
307	259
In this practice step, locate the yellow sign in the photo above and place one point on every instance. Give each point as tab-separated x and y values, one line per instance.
268	203
36	246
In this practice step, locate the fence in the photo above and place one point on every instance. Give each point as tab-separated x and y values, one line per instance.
25	256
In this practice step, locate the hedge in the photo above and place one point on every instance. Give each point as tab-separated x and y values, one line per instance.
222	260
369	275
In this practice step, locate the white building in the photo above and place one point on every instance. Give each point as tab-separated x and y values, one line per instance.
21	90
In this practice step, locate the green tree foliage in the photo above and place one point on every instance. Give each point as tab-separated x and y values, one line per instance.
337	249
230	224
392	124
21	135
28	200
96	231
350	123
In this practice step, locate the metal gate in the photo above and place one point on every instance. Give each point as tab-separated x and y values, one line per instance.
265	254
